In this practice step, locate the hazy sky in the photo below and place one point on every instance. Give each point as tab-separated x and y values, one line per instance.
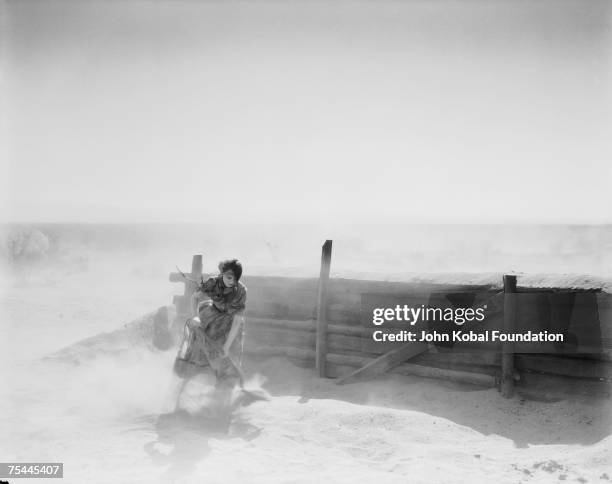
433	111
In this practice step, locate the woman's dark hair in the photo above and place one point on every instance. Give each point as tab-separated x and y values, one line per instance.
233	265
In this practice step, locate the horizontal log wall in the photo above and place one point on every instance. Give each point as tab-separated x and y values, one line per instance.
348	341
281	315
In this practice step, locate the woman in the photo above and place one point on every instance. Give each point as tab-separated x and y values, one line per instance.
215	336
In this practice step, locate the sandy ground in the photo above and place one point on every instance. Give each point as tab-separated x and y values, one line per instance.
115	417
109	409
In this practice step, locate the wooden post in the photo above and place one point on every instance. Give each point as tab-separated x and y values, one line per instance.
196	274
321	345
510	310
183	303
385	362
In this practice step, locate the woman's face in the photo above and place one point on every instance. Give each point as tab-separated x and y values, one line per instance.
229	279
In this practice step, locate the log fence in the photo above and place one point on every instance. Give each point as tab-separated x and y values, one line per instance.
318	323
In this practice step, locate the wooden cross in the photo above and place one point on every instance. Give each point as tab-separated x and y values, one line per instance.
183	302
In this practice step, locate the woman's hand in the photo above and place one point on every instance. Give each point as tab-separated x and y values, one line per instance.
194	322
237	323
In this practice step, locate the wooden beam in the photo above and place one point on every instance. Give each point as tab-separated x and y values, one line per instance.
176	277
307	325
339	364
336	343
196	273
473	378
510	310
321	345
556	386
190	288
385	362
558	365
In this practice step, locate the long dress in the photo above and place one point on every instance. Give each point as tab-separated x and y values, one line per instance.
206	335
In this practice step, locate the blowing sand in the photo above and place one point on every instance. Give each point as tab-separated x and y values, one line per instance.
115	417
107	407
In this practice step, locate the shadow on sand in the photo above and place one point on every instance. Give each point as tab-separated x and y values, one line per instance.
183	437
524	420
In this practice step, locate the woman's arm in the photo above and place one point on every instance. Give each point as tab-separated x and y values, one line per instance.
238	303
206	287
202	292
237	323
194	302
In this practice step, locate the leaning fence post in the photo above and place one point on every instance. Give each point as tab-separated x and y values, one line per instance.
321	345
510	310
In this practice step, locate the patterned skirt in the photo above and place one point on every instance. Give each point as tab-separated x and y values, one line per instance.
202	346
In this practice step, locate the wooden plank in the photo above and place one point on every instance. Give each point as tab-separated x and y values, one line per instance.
556	365
297	339
507	377
458	376
482	358
282	307
482	380
176	277
195	274
190	288
360	286
282	351
287	324
493	371
555	386
303	325
340	314
385	362
321	345
560	290
303	339
590	353
340	364
272	284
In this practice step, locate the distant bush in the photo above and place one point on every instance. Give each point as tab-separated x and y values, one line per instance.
26	244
